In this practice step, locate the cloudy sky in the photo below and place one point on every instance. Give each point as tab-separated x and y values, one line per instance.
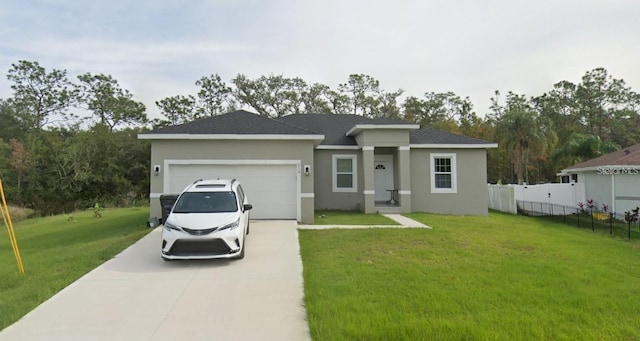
159	48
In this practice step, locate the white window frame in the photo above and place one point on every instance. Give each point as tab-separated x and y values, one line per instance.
454	173
354	173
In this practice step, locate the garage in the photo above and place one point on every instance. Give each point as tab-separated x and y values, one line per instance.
271	186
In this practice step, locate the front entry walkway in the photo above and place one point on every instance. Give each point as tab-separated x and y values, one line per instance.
137	296
403	222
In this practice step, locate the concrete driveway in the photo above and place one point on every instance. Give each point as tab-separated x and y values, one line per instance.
138	296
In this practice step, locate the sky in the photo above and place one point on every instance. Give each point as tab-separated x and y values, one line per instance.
159	48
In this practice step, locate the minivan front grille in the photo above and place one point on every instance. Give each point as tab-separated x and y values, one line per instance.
199	247
199	232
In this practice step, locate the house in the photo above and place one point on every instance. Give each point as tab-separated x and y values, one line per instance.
293	165
612	179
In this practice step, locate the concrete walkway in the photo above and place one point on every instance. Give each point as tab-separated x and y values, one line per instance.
403	222
137	296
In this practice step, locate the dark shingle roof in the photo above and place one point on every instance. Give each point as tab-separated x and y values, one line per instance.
435	136
335	127
629	156
237	122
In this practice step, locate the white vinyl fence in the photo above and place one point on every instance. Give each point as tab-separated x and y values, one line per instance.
503	197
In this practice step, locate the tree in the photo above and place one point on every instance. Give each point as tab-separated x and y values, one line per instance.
559	107
388	104
111	105
362	91
5	156
338	102
446	111
21	161
40	97
214	97
581	147
317	99
177	109
522	133
10	125
363	96
272	96
598	96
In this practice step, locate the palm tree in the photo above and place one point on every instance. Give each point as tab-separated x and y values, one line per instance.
582	147
519	131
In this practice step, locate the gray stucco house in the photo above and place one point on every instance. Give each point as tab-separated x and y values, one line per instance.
612	179
293	165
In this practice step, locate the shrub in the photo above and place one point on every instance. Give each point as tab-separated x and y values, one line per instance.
18	214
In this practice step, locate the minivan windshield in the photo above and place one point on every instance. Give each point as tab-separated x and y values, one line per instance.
206	202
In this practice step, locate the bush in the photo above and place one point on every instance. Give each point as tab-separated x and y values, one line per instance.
18	214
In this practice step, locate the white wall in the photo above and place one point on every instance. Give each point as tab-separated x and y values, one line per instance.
504	197
557	194
626	194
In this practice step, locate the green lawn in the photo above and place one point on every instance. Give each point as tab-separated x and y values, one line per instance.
501	277
335	217
58	250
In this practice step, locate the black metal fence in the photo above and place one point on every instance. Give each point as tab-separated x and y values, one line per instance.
622	225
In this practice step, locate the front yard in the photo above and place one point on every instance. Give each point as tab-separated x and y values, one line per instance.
500	277
58	250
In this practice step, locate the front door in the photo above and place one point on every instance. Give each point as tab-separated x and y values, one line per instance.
383	176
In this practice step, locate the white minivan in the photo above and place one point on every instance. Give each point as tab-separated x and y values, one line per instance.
210	219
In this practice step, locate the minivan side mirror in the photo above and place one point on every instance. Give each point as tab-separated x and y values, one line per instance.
247	207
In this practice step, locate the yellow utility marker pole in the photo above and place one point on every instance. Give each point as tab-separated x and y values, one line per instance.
4	211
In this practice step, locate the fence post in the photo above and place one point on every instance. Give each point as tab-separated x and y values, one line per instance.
578	215
629	230
564	213
593	226
611	222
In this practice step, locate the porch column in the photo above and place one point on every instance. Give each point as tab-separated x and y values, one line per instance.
404	177
367	172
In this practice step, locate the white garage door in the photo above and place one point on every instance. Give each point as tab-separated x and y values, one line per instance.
271	188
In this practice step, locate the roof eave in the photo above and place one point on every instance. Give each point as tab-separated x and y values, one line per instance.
454	145
358	128
337	147
318	138
596	168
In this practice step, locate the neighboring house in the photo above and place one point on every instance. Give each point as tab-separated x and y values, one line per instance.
612	179
296	164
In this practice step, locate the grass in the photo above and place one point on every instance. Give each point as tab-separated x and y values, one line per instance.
58	250
336	217
501	277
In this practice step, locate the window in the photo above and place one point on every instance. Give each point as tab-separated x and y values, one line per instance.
240	195
443	173
345	173
206	202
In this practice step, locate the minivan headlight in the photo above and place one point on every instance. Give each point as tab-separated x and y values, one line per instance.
169	227
230	226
